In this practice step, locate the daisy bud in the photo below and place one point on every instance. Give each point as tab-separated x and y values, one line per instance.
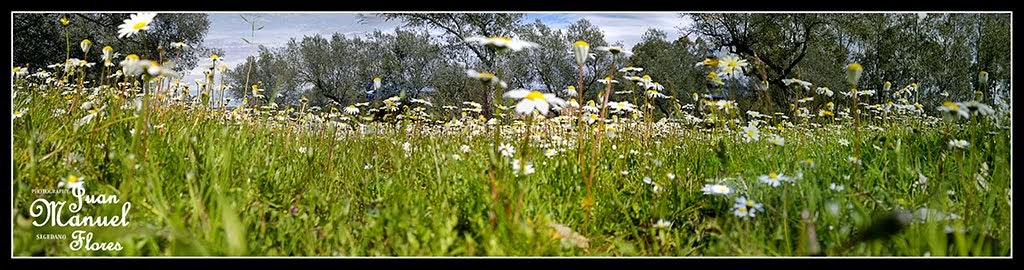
983	77
580	49
86	44
853	72
108	53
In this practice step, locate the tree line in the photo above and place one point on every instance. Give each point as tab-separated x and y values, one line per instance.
939	52
942	53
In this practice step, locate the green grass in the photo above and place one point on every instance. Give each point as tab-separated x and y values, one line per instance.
202	185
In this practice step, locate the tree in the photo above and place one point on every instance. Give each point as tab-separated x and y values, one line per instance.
39	38
341	69
780	41
551	64
594	69
459	26
671	64
271	72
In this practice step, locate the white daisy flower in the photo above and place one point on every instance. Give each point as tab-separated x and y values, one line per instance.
571	91
607	80
804	84
534	100
351	109
662	224
550	153
731	66
517	167
773	179
137	22
824	91
501	43
19	113
716	189
486	78
179	45
507	150
835	187
745	208
776	140
622	106
962	144
751	133
614	50
72	182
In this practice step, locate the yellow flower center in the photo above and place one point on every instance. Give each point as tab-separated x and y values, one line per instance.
139	25
486	76
72	179
572	87
593	117
647	77
712	75
732	64
749	204
856	67
952	106
132	57
16	69
214	57
536	96
581	44
773	175
376	79
711	62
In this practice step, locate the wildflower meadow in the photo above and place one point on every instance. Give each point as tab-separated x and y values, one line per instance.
489	136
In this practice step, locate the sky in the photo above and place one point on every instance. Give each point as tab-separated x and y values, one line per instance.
227	29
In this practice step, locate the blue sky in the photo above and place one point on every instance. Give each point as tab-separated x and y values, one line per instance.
227	29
